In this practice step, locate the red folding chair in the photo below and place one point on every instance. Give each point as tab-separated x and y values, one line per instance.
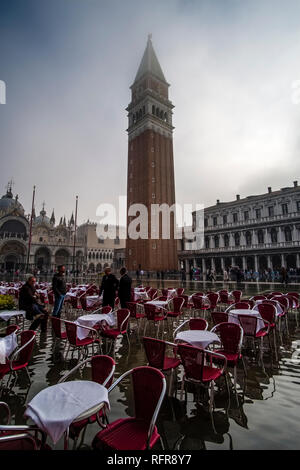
155	350
20	358
219	317
134	313
139	432
231	336
59	334
201	370
112	334
81	345
155	314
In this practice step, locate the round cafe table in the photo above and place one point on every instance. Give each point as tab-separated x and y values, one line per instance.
233	317
91	320
199	338
56	407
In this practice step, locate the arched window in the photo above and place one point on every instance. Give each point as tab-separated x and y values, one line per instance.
97	256
217	243
237	239
226	240
260	237
166	117
288	234
248	238
161	115
153	109
273	235
157	112
207	242
90	255
100	255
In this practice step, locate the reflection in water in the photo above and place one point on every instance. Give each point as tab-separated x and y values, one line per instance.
267	395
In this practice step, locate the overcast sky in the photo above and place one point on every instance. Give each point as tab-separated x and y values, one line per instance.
68	66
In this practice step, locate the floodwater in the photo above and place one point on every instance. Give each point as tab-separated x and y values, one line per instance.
264	414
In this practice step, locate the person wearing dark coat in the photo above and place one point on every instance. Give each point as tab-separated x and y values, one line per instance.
109	286
124	288
59	289
34	310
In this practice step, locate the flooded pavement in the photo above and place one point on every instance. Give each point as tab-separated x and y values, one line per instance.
264	415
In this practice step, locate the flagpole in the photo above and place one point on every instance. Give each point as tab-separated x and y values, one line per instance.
30	229
75	228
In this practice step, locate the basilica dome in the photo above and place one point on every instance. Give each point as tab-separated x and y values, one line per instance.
8	203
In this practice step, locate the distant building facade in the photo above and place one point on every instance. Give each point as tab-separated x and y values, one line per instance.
51	244
255	233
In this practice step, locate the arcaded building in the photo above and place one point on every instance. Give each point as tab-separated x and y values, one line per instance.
255	233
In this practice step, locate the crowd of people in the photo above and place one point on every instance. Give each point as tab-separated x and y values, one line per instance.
35	311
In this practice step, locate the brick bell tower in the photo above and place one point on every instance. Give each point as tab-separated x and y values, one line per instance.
150	163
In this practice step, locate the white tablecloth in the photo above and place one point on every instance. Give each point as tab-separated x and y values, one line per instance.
92	300
139	289
7	314
199	338
234	314
142	295
54	408
92	320
7	345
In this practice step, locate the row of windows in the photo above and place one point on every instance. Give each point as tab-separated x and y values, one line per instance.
246	215
100	255
116	241
159	113
249	238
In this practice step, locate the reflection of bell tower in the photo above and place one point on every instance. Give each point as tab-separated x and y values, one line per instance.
150	162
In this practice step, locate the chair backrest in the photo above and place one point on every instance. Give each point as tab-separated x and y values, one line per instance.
56	326
162	297
180	291
71	330
102	367
83	302
224	296
122	314
150	311
276	293
198	324
148	389
284	302
132	308
74	302
237	295
213	297
219	317
231	336
11	329
293	301
198	301
164	292
240	305
192	359
248	323
177	304
107	309
258	297
267	312
13	441
152	293
155	351
294	294
28	339
186	300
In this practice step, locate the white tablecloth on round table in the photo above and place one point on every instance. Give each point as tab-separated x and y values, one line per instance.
7	314
56	407
142	295
277	307
7	345
199	338
234	314
139	289
92	300
92	320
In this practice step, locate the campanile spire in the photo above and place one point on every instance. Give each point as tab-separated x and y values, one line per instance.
150	161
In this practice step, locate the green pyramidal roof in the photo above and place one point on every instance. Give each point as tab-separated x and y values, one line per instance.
150	64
